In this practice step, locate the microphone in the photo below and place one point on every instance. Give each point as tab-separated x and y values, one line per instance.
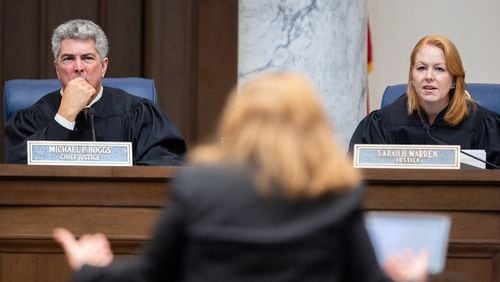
89	112
427	129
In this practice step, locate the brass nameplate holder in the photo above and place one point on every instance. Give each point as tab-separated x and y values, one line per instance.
84	153
407	156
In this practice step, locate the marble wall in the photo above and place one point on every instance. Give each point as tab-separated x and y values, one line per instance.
323	39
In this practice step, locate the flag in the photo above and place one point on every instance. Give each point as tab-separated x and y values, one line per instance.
369	50
369	64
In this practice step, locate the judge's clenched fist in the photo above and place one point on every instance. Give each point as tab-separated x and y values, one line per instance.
77	94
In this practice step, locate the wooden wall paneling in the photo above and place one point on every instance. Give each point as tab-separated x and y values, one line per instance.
13	266
46	27
20	56
454	270
24	222
124	204
19	43
42	259
496	266
59	11
168	59
48	267
217	60
123	23
27	218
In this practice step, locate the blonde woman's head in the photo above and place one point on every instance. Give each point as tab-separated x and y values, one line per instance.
276	122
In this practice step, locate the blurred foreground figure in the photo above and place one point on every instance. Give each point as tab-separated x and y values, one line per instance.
274	201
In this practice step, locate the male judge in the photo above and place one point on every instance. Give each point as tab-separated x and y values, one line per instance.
84	110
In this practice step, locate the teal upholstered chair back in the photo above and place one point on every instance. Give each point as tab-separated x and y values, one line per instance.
22	93
486	94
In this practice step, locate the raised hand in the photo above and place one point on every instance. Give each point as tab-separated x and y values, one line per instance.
89	249
407	266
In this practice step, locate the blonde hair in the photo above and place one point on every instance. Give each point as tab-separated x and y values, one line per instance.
459	98
277	123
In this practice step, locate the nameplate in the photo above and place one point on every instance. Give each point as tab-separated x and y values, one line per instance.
407	156
85	153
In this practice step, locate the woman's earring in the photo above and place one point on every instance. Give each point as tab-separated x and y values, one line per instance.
453	85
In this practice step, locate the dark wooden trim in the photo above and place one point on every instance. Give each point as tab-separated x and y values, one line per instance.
125	202
217	60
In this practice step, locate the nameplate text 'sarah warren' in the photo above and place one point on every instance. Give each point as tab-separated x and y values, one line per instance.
86	153
407	156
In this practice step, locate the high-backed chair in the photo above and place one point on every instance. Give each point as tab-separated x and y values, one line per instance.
22	93
485	94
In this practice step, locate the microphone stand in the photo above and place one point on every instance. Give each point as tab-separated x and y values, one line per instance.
90	112
427	129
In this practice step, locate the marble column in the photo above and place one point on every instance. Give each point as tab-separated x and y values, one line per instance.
322	39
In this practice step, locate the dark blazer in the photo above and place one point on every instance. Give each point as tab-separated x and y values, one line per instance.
218	228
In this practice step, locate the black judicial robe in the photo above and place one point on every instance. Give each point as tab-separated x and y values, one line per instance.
118	116
392	125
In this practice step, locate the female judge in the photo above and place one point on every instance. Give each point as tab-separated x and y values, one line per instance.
436	109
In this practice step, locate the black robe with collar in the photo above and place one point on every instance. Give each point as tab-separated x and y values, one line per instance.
118	116
392	125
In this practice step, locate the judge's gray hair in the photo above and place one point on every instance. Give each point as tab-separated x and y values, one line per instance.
80	29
